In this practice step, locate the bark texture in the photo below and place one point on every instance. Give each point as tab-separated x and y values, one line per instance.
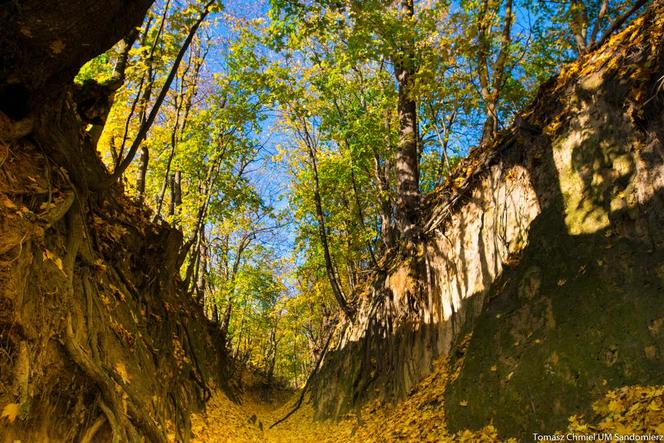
407	158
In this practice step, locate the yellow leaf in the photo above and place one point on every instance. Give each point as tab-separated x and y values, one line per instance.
660	428
7	203
49	255
615	406
121	369
99	263
10	411
554	358
57	46
624	428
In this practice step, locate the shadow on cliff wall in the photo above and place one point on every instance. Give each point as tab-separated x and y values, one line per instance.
582	311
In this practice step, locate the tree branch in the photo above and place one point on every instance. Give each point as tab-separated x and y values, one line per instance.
145	127
618	22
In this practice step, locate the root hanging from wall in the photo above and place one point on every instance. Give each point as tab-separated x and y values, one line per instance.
97	336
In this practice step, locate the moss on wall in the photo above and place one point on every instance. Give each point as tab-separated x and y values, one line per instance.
550	343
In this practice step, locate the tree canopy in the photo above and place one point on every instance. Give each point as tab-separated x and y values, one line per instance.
291	140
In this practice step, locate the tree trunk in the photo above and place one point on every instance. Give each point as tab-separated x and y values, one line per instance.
226	321
142	173
120	67
490	91
579	25
272	360
201	278
177	196
145	127
171	202
407	159
322	233
381	172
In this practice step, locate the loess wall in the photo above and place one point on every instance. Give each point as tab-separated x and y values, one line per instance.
541	272
99	341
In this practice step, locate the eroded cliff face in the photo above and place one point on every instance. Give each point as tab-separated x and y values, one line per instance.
98	339
541	272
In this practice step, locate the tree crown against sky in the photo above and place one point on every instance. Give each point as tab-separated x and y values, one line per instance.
278	147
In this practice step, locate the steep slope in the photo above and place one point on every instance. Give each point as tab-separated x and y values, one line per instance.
541	271
98	342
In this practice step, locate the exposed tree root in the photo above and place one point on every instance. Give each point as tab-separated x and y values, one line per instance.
106	385
92	430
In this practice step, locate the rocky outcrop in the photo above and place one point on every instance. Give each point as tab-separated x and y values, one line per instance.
547	239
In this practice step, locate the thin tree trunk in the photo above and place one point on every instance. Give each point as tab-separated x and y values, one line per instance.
226	321
360	212
579	25
202	268
114	150
360	217
322	233
177	194
618	22
178	103
272	361
183	104
382	178
491	91
207	185
244	243
143	161
443	136
143	96
120	68
143	130
171	203
598	21
113	84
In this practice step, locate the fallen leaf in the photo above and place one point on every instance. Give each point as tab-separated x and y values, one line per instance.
7	203
10	411
49	255
57	46
615	406
121	369
554	358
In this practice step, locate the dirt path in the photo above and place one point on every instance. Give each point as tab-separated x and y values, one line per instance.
249	421
419	419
